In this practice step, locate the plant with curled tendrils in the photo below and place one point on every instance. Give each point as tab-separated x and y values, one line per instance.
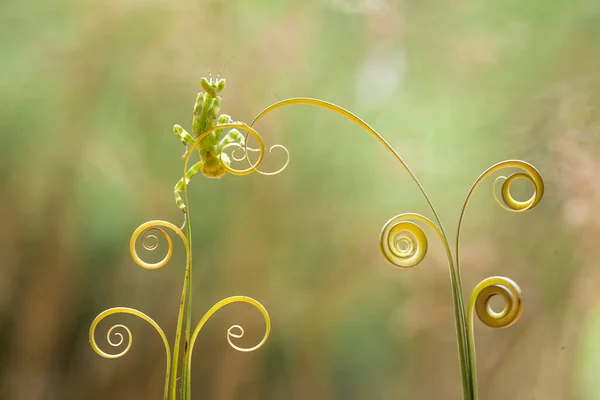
402	241
404	244
213	134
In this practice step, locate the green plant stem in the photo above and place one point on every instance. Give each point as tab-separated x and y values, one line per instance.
464	353
186	379
471	348
182	304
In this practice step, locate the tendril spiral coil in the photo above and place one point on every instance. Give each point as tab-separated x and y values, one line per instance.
497	286
235	331
245	156
143	232
244	148
402	242
240	331
506	200
111	332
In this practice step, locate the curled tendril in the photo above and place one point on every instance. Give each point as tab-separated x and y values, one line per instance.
146	237
232	334
497	286
120	336
236	147
403	243
150	242
506	200
480	304
244	148
111	333
355	119
530	174
236	125
235	331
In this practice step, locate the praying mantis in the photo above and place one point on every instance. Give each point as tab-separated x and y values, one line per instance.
206	117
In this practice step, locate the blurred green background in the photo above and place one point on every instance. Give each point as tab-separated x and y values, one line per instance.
90	91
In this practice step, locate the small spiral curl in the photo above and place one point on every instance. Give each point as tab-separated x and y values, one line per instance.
150	242
120	336
235	331
111	334
402	242
245	150
146	237
530	174
497	286
238	147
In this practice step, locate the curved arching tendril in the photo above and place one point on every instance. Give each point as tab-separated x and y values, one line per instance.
352	117
404	244
507	202
532	175
111	332
457	298
234	332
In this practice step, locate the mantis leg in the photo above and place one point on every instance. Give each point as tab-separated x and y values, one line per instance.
223	119
185	138
232	136
179	186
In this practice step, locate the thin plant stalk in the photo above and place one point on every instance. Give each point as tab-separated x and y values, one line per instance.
182	306
186	379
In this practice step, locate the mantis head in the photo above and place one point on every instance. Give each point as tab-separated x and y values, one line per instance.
212	86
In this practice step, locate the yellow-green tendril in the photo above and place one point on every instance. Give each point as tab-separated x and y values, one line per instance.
403	243
144	230
504	287
347	114
457	298
111	333
234	332
245	149
531	175
480	304
236	125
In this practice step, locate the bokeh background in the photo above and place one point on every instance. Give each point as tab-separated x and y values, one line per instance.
90	90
